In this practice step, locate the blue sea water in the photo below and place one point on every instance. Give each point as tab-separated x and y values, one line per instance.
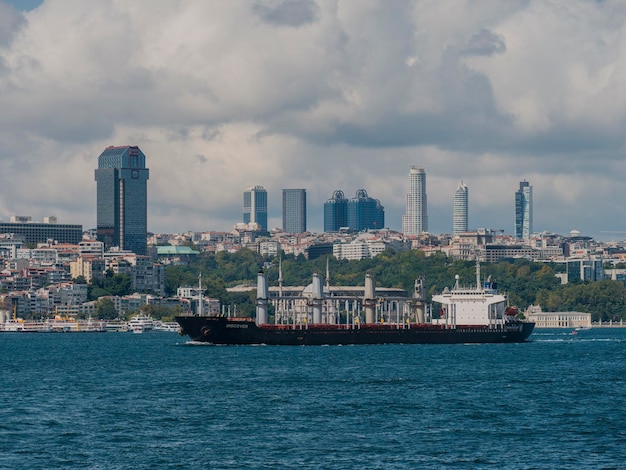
118	400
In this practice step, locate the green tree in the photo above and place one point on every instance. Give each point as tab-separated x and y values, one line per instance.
160	312
526	282
118	284
105	309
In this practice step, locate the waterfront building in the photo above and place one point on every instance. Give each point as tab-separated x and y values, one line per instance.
122	219
460	209
365	213
524	210
336	212
294	210
34	233
255	207
557	319
415	219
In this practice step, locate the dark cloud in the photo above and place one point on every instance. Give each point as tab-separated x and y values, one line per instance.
468	117
485	43
294	13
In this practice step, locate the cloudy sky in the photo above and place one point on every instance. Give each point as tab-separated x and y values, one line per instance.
322	95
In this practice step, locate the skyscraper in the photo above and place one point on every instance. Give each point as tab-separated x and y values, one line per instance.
524	210
121	187
415	220
335	212
459	209
365	212
294	210
255	207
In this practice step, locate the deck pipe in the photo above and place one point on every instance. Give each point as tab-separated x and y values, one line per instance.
262	295
369	301
418	300
316	300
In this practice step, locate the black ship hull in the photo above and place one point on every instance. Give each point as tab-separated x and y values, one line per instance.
221	330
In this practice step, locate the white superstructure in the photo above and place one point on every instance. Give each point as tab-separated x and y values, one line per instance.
477	306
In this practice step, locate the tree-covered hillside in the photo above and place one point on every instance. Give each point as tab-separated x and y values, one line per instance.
525	282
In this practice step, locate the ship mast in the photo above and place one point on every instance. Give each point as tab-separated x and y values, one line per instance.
200	294
327	276
281	301
280	277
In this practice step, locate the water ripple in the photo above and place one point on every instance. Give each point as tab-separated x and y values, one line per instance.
122	401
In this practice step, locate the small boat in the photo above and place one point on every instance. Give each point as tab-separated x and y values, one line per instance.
166	326
582	328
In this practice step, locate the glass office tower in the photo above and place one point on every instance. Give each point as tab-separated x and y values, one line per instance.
335	212
365	212
524	210
255	207
121	187
294	210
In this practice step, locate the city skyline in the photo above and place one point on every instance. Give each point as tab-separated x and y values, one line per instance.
346	97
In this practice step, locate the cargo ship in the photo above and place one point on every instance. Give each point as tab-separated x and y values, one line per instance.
465	315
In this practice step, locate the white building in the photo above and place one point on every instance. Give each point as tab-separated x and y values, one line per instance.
560	319
93	248
415	219
268	247
359	249
354	250
39	255
460	209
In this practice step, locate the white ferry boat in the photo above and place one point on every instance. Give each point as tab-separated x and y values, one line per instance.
141	323
18	325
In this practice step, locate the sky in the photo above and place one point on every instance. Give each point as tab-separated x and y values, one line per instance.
321	95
